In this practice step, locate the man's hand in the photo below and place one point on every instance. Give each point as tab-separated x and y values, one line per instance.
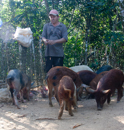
51	42
45	41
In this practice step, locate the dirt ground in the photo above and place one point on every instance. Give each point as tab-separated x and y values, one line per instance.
37	115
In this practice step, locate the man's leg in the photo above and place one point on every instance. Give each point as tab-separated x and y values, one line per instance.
58	61
48	63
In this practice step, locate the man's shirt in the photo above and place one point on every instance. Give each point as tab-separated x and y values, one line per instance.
54	33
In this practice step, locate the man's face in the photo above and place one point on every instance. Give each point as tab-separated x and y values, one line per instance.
53	19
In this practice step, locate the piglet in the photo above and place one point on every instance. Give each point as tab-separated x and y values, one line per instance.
66	94
18	81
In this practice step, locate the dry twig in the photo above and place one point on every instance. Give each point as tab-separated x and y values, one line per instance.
22	116
77	126
46	119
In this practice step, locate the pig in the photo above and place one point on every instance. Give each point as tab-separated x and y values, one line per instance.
104	68
93	84
95	80
106	86
53	77
66	94
86	76
18	82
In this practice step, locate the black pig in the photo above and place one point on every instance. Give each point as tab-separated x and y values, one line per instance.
18	82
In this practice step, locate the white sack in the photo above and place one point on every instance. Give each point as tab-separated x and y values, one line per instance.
5	95
80	67
23	36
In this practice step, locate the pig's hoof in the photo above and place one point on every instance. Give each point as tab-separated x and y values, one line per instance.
23	101
59	118
75	107
18	107
79	99
51	105
71	114
66	109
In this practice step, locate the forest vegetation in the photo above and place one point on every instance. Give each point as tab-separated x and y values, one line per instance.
95	34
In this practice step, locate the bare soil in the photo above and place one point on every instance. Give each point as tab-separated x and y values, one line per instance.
38	115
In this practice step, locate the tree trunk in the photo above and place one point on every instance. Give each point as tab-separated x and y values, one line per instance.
43	74
47	7
23	58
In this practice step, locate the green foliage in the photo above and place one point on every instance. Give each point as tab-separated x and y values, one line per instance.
73	51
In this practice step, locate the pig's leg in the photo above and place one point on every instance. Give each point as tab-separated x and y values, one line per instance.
69	108
16	85
120	94
74	98
28	93
56	93
50	96
15	97
11	91
77	93
66	106
21	96
61	110
108	98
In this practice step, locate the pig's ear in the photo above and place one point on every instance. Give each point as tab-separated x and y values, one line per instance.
90	90
106	91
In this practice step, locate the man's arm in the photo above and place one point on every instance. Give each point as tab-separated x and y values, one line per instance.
44	34
51	42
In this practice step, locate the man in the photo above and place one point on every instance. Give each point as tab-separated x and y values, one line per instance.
54	35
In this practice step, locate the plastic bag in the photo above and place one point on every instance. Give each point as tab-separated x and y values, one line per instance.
23	36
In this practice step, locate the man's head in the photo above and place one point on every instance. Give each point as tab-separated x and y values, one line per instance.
54	12
54	16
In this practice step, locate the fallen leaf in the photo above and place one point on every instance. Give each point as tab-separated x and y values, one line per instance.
22	116
77	126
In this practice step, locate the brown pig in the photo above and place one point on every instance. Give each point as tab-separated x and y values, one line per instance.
66	94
